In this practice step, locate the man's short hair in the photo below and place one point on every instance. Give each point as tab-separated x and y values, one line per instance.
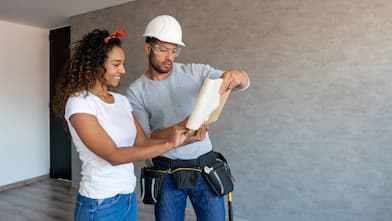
151	40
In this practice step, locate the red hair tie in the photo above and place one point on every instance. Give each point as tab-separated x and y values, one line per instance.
115	35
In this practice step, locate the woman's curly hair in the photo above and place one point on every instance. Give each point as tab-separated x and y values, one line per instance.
85	67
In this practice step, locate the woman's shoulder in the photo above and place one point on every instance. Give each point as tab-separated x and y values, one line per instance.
79	102
80	96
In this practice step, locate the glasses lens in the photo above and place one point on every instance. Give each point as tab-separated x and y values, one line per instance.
162	50
177	51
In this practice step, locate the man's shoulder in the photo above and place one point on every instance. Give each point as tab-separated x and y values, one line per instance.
137	89
189	65
191	68
139	82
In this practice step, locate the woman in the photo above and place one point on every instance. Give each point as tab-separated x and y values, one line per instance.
107	136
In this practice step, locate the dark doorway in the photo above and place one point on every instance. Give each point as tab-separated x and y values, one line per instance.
60	143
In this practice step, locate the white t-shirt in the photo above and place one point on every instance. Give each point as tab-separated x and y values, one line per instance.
99	178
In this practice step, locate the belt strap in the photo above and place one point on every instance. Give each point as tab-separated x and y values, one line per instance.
200	162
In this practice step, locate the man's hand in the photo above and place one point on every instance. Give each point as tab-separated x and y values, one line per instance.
233	79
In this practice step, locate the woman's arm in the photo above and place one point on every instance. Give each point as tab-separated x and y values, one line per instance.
142	139
191	136
100	143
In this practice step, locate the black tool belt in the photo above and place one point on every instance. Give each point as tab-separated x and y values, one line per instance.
218	175
164	163
185	174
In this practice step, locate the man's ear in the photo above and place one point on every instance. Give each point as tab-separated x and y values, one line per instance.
147	48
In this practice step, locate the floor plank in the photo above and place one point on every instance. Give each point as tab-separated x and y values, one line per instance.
50	200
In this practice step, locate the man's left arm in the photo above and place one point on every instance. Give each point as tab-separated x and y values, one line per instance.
234	79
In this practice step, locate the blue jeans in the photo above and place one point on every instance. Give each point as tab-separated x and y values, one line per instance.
122	207
207	205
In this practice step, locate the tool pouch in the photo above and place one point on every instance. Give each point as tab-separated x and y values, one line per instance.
218	175
186	178
151	185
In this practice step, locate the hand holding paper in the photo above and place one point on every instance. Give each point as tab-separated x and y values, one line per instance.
209	104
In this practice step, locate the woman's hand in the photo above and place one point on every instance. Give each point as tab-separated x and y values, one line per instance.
179	137
182	136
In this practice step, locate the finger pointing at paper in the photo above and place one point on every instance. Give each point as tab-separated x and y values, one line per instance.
234	79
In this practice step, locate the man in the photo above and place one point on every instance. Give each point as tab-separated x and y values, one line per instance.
162	99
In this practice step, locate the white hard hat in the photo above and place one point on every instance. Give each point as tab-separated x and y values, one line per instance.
165	28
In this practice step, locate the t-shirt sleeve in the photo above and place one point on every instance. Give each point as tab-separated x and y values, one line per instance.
78	105
139	110
206	71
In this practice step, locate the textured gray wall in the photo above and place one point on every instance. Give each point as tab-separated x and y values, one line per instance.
310	139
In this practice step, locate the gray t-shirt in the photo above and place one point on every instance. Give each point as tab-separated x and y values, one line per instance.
159	104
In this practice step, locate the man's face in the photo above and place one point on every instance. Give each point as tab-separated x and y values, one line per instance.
162	55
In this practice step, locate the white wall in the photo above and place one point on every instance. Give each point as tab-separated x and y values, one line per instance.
24	100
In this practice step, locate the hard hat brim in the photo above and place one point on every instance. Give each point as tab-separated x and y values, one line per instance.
168	41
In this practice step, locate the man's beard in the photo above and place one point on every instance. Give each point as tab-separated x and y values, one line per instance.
156	66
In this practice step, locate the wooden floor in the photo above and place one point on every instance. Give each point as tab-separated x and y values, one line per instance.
48	200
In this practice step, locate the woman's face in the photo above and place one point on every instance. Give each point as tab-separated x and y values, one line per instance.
114	66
